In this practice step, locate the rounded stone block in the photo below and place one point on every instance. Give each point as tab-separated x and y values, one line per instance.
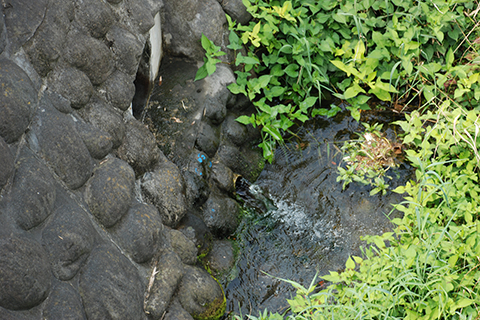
140	232
99	143
33	191
105	118
95	16
221	215
72	84
110	286
127	49
200	295
109	193
165	189
64	302
184	247
119	90
54	135
68	240
90	55
139	148
25	276
17	99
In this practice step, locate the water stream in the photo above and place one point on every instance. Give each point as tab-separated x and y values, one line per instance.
299	221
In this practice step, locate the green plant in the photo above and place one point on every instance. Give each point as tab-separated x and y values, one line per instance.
368	159
210	60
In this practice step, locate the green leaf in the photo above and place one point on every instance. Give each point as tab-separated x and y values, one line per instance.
246	119
201	73
234	41
291	70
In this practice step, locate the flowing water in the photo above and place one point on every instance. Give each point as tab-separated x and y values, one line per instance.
300	222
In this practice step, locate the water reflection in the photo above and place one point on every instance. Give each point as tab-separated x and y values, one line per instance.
301	221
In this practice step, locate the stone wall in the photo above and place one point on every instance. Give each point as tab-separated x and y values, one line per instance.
88	202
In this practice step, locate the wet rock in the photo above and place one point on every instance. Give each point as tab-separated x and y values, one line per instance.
200	295
220	258
196	230
99	143
140	232
243	160
141	14
61	146
139	148
33	191
176	312
234	130
105	118
119	90
72	84
167	274
110	286
89	55
223	177
165	189
25	276
22	19
237	10
95	16
109	192
46	45
17	100
68	240
184	247
221	215
208	139
127	49
197	189
186	20
64	303
6	163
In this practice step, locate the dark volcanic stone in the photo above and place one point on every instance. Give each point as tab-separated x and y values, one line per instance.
234	130
17	100
6	163
127	49
3	34
119	90
171	270
22	19
200	295
141	14
139	148
243	160
184	247
64	303
109	193
220	258
46	45
176	312
196	230
61	145
72	84
68	239
89	55
223	177
98	142
140	232
237	10
33	192
96	16
25	276
208	139
221	215
165	189
197	188
105	118
110	286
58	101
